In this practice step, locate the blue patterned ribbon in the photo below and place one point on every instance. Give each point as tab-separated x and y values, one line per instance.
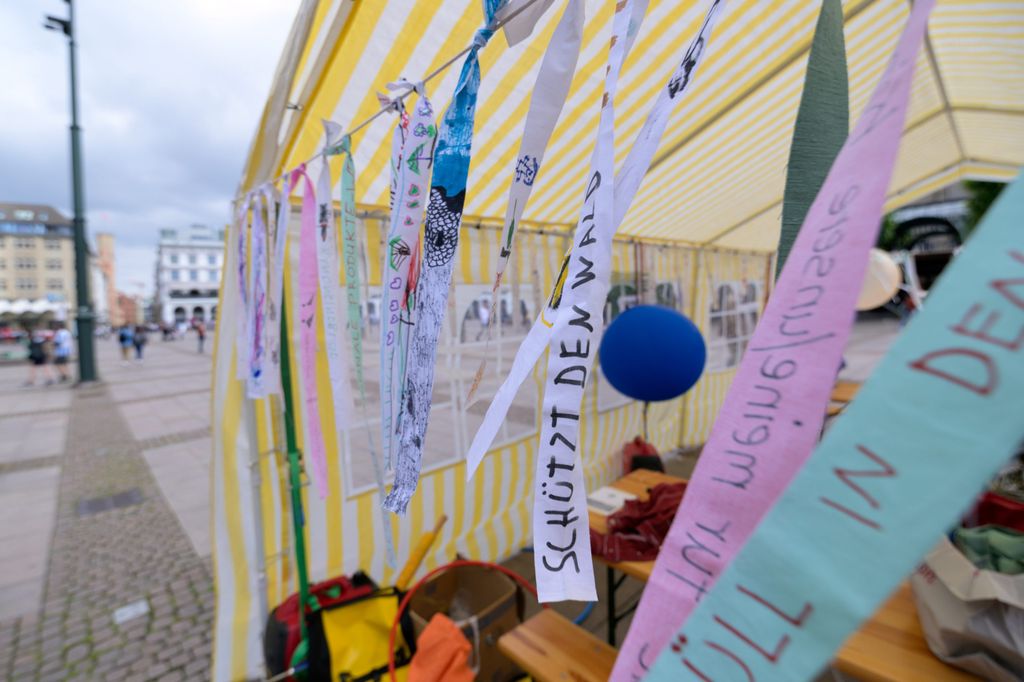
441	239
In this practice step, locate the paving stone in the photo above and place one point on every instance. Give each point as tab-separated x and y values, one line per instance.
156	671
76	653
105	560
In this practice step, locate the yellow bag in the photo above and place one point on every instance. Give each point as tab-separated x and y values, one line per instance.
349	642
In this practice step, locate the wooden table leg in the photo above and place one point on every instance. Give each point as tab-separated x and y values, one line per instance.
612	622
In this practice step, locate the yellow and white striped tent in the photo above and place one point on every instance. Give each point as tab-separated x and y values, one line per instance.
700	236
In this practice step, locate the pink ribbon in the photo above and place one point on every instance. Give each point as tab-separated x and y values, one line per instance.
307	317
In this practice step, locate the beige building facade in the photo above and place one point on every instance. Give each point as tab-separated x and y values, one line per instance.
37	264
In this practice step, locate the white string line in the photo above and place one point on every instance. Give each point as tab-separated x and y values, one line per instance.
397	100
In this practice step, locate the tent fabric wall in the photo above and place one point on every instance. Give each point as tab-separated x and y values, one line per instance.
490	515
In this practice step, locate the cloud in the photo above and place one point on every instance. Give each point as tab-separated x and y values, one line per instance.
170	97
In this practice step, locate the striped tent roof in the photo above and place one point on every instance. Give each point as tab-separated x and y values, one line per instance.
718	176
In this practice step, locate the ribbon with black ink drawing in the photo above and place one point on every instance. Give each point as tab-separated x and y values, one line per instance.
561	536
772	415
242	281
441	238
627	182
275	287
402	258
549	94
256	339
388	403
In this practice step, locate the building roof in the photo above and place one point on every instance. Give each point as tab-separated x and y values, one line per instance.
32	214
195	235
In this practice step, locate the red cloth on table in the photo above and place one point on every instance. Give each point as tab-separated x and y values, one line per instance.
997	510
636	531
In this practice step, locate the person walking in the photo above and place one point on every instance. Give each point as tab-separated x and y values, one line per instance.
37	357
62	351
201	334
484	315
125	338
139	341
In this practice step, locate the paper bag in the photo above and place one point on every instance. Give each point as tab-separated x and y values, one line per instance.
972	618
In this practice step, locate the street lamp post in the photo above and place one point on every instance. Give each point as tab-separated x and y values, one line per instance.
85	318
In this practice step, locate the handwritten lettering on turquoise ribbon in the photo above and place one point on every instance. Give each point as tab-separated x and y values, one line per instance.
936	420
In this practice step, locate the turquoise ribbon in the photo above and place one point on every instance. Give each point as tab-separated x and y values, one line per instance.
937	419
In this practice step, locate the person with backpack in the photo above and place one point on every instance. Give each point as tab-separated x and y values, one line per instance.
125	338
139	341
37	357
62	351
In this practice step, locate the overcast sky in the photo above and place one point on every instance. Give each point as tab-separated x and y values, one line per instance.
171	92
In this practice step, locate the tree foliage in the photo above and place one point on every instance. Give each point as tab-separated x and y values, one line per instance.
982	196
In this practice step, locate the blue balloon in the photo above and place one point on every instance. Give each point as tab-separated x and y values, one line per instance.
652	353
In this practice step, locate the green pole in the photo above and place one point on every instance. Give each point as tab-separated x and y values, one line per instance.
84	316
295	483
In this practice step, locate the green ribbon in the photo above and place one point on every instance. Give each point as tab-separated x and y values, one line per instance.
822	124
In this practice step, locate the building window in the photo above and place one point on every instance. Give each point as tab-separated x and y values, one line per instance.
211	275
211	258
54	284
3	285
731	320
53	264
25	284
174	259
53	244
193	275
3	264
22	243
175	276
24	263
192	260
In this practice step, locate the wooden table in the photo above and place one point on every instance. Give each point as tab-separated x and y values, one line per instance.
845	391
638	483
890	647
842	393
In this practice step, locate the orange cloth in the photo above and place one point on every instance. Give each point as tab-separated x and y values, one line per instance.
442	653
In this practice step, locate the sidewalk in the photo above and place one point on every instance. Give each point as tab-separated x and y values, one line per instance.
104	496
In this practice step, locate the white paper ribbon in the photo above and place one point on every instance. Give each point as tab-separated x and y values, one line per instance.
561	531
338	363
350	251
549	94
242	279
411	179
276	290
256	338
626	184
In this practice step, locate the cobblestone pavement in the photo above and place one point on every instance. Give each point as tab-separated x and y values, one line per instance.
116	540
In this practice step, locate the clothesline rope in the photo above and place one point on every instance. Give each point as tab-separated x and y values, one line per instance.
410	88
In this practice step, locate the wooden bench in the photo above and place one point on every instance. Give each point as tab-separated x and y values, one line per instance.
552	649
890	647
